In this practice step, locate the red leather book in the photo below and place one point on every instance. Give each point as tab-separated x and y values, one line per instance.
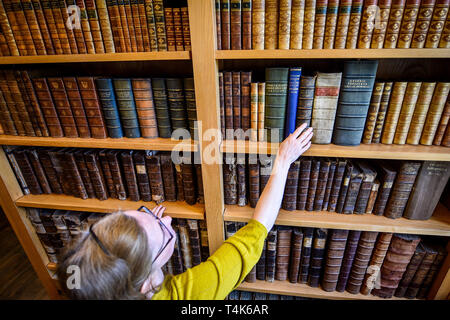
107	174
37	112
76	104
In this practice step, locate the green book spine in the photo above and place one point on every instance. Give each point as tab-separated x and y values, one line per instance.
127	108
178	116
161	107
189	95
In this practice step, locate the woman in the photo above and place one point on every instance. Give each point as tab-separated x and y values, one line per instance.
122	255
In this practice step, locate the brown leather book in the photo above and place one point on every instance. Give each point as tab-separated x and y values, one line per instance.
345	7
33	26
284	25
170	29
186	28
51	23
320	23
308	24
424	17
431	275
261	264
336	186
444	42
85	27
60	26
116	174
76	104
303	182
393	26
373	270
38	169
19	85
95	172
86	86
373	112
230	180
254	184
228	96
27	36
406	112
70	163
246	8
7	31
283	252
178	28
6	116
142	175
70	32
401	190
65	174
344	187
199	184
185	244
130	24
317	257
84	172
246	78
47	107
271	254
306	255
271	24
94	24
380	32
408	23
440	11
386	174
14	26
36	110
354	23
261	110
411	271
369	175
331	173
176	259
137	25
169	177
222	105
258	24
225	24
373	196
384	103
194	239
322	183
330	26
335	253
398	256
236	98
107	173
130	175
50	172
153	163
442	124
143	96
347	261
189	184
76	34
116	26
393	112
179	177
290	190
106	26
218	24
446	138
296	252
313	179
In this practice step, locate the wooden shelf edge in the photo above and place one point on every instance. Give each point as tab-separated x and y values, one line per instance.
437	225
333	54
369	151
303	290
100	57
176	209
162	144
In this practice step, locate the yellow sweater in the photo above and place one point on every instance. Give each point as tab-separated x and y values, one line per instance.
222	272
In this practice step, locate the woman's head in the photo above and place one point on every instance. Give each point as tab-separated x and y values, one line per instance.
131	253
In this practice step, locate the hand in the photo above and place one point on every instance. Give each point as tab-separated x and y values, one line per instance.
295	145
158	211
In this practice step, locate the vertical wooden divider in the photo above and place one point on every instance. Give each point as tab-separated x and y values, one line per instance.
203	40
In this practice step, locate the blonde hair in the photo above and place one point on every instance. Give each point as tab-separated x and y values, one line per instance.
117	275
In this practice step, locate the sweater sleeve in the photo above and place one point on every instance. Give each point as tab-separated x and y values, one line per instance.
222	272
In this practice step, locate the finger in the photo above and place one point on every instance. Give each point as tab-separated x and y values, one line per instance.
307	138
305	133
299	130
157	211
305	148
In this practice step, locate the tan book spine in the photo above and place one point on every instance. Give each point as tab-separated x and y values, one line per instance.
367	23
43	27
261	108
258	24
297	20
420	112
437	23
48	13
84	20
373	112
393	112
77	32
407	111
442	124
308	25
330	27
254	111
408	23
137	25
103	17
144	26
345	8
60	26
94	24
353	26
319	23
373	196
34	27
124	24
434	113
170	31
7	31
116	26
70	32
393	27
423	23
130	24
379	32
15	27
271	25
445	37
23	27
284	31
151	25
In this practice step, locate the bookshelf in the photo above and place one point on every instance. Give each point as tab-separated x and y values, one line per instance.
205	61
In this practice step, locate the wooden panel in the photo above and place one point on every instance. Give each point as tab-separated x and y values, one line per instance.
176	209
438	224
440	290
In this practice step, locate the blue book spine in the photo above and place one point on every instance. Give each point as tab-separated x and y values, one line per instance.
105	91
127	107
291	112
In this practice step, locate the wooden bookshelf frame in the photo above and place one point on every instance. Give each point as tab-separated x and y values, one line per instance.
205	61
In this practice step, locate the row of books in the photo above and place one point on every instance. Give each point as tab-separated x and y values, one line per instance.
349	186
57	229
248	295
344	108
331	24
366	262
95	107
104	173
41	27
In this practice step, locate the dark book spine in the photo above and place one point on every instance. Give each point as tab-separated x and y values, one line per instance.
420	275
179	178
328	188
127	108
291	188
107	98
50	172
303	183
175	94
116	174
322	184
71	164
76	104
199	181
296	252
186	28
194	239
142	176
283	253
275	100
317	257
306	255
169	177
130	174
11	106
246	79
7	120
344	187
253	177
292	100
178	28
271	254
230	180
366	187
353	190
177	259
58	167
153	163
38	170
191	107
225	24
84	173
107	174
334	256
410	272
347	261
236	97
161	107
66	177
187	171
170	29
261	264
158	9
241	180
236	24
95	173
228	96
305	100
28	100
218	24
387	178
222	105
313	179
434	269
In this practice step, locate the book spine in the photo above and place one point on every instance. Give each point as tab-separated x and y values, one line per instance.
422	26
94	25
85	26
33	26
92	107
60	26
246	78
246	24
77	107
27	171
365	190
230	181
151	25
328	188
204	240
116	174
317	257
134	4
312	188
296	251
284	26
320	23
373	196
158	9
440	12
15	27
372	114
336	187
347	261
95	173
261	110
283	253
228	100
345	8
406	113
367	23
188	183
393	26
178	28
264	172
446	139
124	25
321	184
218	24
271	254
305	100
379	123
254	183
179	184
25	28
194	238
18	81
76	31
261	264
106	27
306	255
419	276
393	112
130	175
11	106
51	23
258	24
84	173
352	191
271	24
186	28
107	173
199	181
241	180
434	269
354	23
42	25
379	32
222	105
334	257
330	26
127	107
444	42
290	190
107	98
308	26
408	22
7	120
411	271
161	107
225	24
170	29
297	21
303	183
50	172
442	124
293	89
80	190
130	26
254	111
344	188
177	106
70	33
143	96
168	175
33	106
144	25
236	99
276	98
8	30
142	176
38	170
191	107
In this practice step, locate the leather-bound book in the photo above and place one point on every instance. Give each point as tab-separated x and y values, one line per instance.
378	254
398	256
222	105
228	96
271	24
434	112
284	24
176	259
367	24
442	124
253	111
344	187
331	21
444	42
64	16
312	188
406	112
76	34
325	105
308	24
408	23
143	96
31	21
107	98
369	175
322	183
305	100
168	175
384	103
199	183
62	168
170	29
336	186
236	99
246	24
12	21
86	86
296	252
153	163
194	239
356	89
386	174
29	107
354	185
317	257
427	189
130	175
420	112
94	25
276	99
319	23
84	21
204	239
225	24
265	171
434	269
142	176
437	23
76	104
38	169
303	182
161	107
446	139
47	107
328	188
137	25
335	253
290	190
189	184
58	169
143	24
27	36
179	177
297	19
50	172
261	264
347	261
70	163
379	34
411	271
106	30
7	30
306	255
246	78
283	252
158	10
151	24
354	23
236	24
175	95
393	112
116	173
84	173
254	184
258	24
291	111
345	7
185	243
95	173
401	190
271	254
393	26
191	106
127	107
424	17
373	196
372	113
230	229
130	23
362	258
107	173
218	24
6	118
